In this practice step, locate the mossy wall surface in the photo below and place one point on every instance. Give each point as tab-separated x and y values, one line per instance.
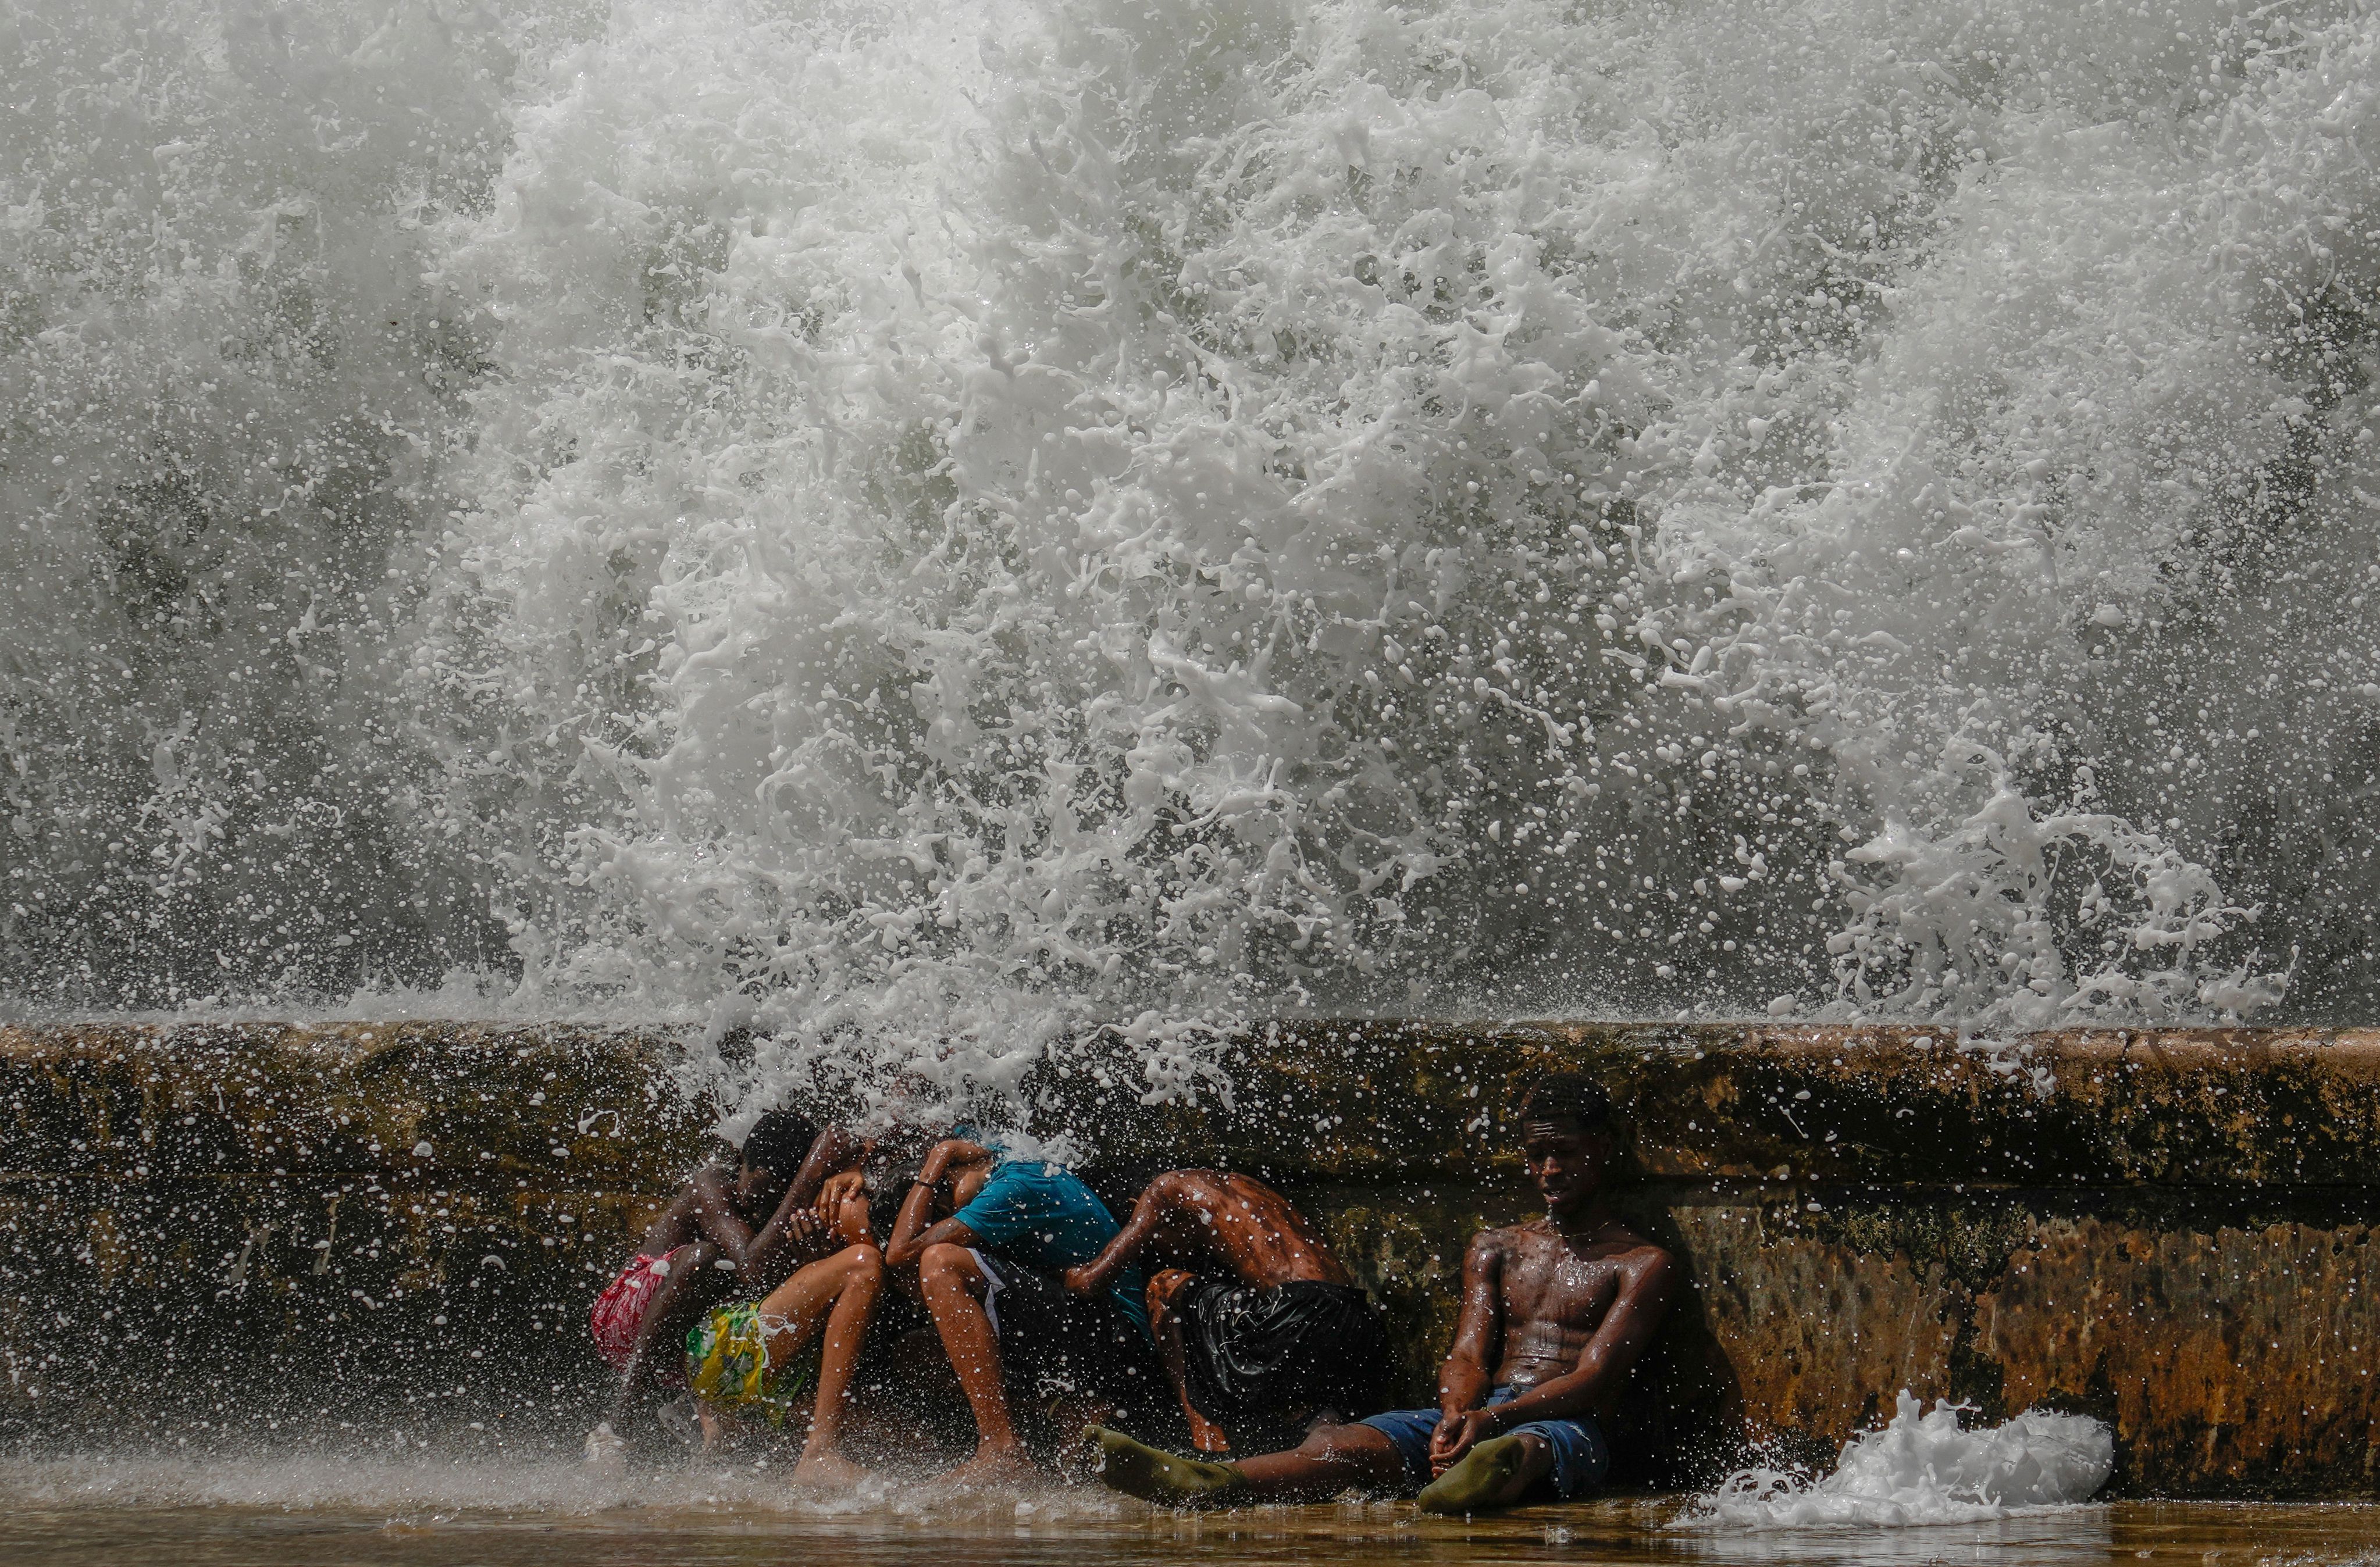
398	1228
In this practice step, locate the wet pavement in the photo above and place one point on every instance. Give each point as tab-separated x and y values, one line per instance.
48	1520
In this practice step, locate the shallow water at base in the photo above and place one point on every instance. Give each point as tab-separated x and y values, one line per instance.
42	1524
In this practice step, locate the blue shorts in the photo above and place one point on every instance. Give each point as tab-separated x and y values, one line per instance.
1579	1456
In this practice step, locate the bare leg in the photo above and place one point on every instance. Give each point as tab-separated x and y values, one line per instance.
1327	1461
904	1395
954	1287
837	1294
843	1288
1205	1435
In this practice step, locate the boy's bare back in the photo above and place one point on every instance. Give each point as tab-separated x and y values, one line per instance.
709	1189
1246	1225
1230	1221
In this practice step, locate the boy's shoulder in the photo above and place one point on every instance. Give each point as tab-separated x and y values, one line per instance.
1507	1238
1616	1242
707	1178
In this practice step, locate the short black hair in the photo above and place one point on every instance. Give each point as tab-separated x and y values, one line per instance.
778	1142
1568	1096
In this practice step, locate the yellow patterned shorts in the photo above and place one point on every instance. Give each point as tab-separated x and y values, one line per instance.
727	1364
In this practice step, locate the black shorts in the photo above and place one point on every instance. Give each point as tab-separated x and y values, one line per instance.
1055	1345
1263	1362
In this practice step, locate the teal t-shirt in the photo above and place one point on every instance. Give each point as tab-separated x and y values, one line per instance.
1045	1217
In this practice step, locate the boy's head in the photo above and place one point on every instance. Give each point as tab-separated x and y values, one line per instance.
1570	1134
774	1151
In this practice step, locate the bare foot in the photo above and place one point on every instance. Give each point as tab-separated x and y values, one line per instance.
829	1470
1153	1475
1496	1473
996	1468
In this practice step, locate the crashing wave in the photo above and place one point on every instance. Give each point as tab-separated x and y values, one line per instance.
894	522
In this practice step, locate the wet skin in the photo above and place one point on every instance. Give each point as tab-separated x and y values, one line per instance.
759	1224
1561	1308
755	1217
833	1299
932	1255
1206	1219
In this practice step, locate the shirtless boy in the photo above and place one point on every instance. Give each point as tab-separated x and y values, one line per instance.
731	1229
1554	1313
1261	1329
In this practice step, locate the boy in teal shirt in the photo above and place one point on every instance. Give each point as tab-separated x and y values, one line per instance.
989	1273
1043	1216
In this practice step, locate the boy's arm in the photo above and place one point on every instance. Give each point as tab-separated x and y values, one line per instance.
801	1228
832	1152
1463	1380
911	1231
796	1231
715	1215
759	1255
1092	1277
1647	1279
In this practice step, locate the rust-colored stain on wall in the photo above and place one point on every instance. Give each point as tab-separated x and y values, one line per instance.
2229	1354
1821	1334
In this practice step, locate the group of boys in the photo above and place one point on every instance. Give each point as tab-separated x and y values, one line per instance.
851	1282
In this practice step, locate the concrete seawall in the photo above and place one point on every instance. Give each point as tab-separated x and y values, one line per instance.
395	1228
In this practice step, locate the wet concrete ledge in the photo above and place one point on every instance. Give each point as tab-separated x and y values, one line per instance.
397	1228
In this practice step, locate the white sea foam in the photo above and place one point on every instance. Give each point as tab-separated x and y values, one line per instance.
1923	1467
895	521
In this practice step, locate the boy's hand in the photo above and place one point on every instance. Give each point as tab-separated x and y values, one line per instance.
837	1190
808	1230
1458	1434
1078	1279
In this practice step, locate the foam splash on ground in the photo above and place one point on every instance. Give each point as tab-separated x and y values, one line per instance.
1922	1468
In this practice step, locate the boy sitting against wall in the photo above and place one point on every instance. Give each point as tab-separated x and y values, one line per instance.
1261	1329
987	1233
1554	1314
729	1230
795	1351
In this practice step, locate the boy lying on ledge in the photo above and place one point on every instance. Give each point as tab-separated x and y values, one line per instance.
1559	1308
